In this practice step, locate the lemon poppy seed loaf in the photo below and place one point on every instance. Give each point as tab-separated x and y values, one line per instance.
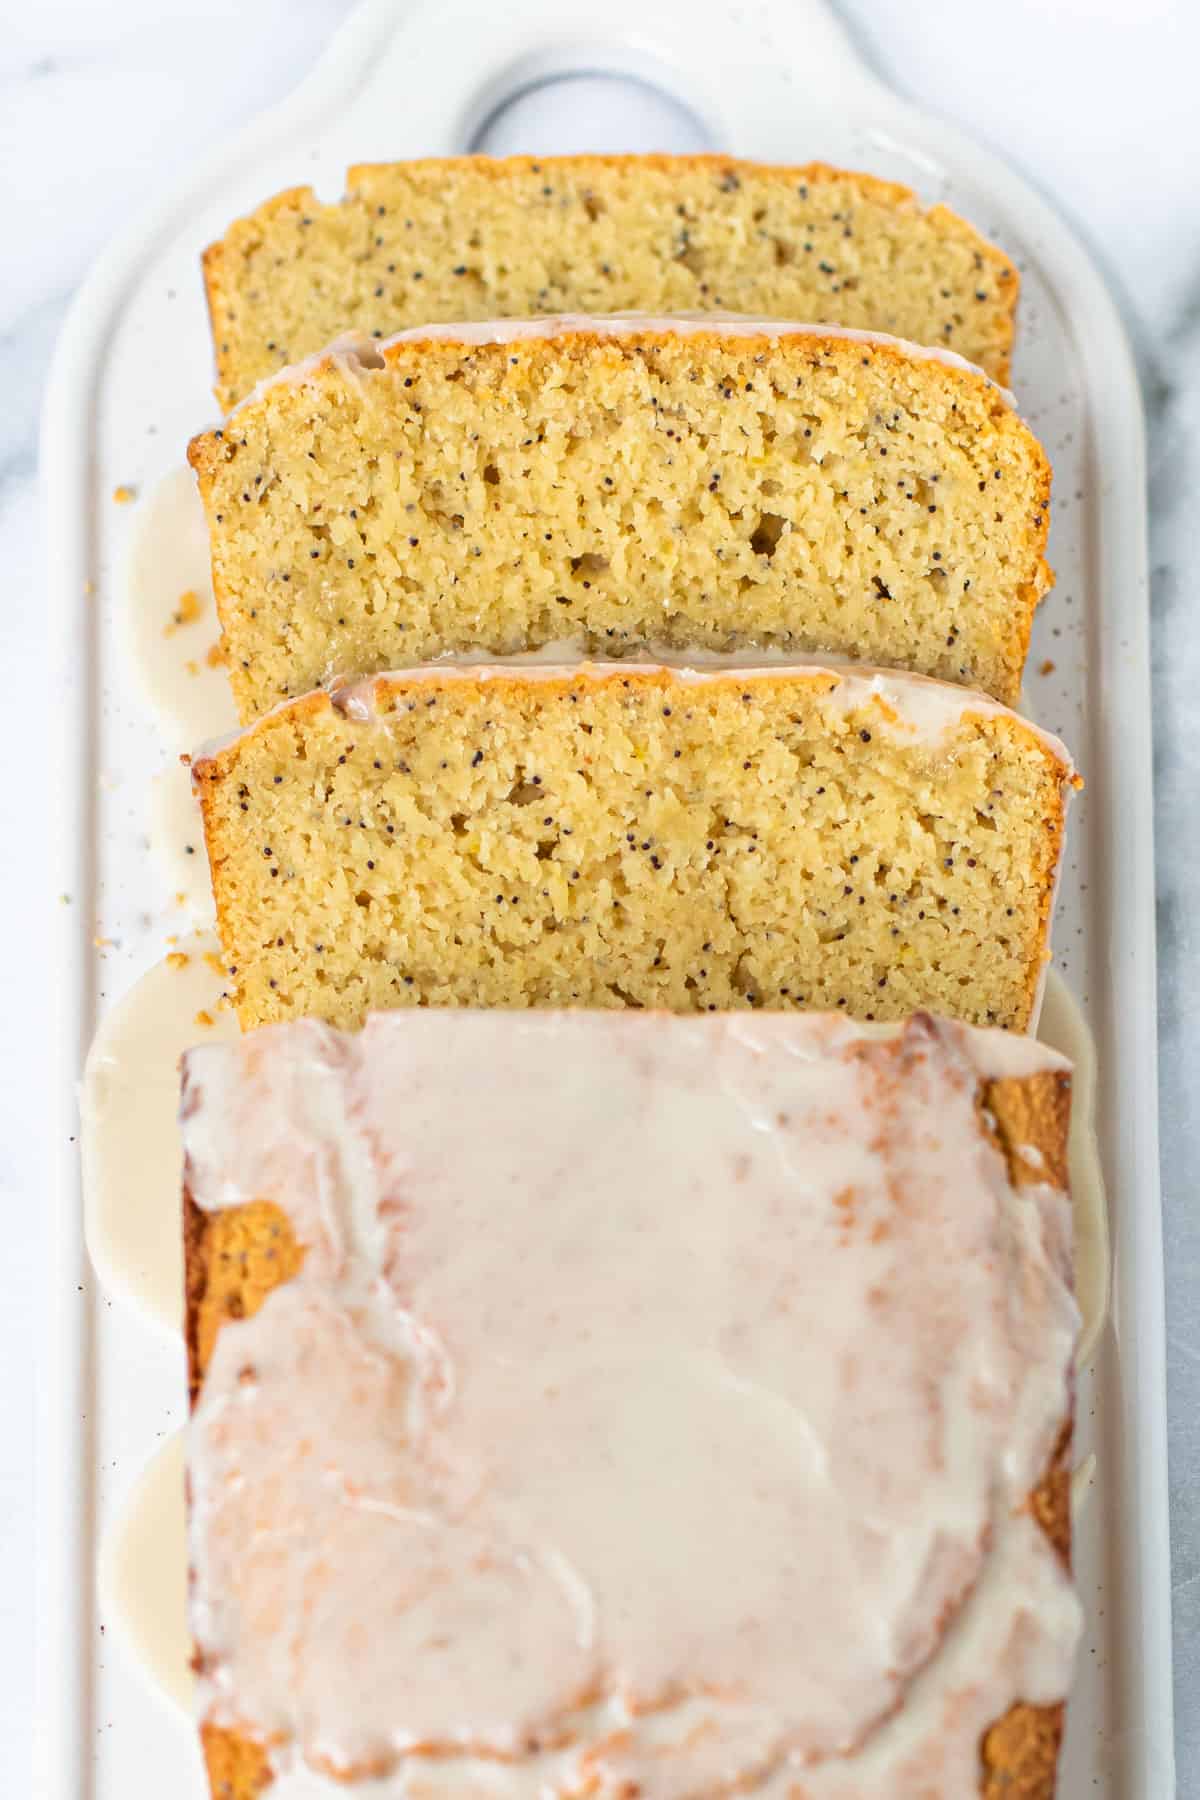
676	484
474	238
530	1359
614	835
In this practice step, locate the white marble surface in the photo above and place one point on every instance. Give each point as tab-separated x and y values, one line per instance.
102	109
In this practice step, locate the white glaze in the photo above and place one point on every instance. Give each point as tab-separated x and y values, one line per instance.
141	1574
1063	1025
169	557
189	695
133	1238
177	842
357	354
925	710
129	1103
1083	1480
477	1391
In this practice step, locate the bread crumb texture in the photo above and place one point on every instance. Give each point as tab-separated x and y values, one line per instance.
234	1258
442	241
238	1767
631	839
187	611
683	489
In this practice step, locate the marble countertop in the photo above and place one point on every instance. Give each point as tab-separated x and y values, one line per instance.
105	108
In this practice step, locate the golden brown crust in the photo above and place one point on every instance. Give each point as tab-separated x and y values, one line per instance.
247	230
1032	1110
1055	834
208	768
237	1766
213	264
232	1261
1020	1753
212	268
1034	1113
234	1258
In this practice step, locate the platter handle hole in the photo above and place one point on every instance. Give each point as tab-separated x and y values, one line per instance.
602	114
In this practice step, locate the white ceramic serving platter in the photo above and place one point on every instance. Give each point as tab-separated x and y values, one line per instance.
771	79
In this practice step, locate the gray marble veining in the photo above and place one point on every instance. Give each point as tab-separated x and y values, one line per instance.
1172	390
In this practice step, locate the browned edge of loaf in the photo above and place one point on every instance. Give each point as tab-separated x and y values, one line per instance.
209	768
812	348
303	199
234	1258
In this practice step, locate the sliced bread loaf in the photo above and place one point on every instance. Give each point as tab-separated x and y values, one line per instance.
472	238
621	835
705	484
530	1361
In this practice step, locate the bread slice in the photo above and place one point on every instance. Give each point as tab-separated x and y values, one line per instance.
636	836
556	1370
472	238
680	484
